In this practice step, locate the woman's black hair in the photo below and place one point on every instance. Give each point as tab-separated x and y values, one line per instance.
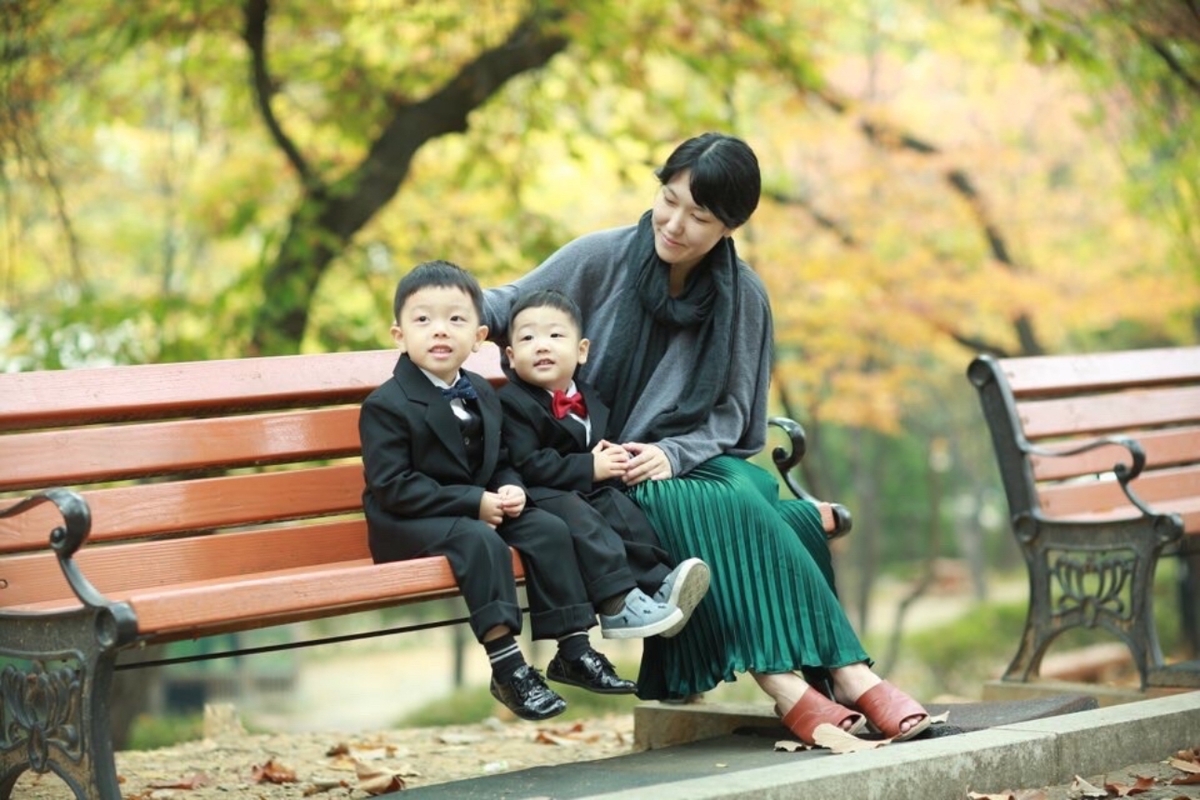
725	177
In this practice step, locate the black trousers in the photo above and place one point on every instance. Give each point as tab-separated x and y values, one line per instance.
482	565
615	544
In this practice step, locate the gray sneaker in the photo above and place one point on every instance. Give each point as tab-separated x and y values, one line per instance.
683	588
640	618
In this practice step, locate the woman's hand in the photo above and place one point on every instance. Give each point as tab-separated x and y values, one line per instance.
649	462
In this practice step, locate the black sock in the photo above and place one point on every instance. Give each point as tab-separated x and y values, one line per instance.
612	605
505	656
573	646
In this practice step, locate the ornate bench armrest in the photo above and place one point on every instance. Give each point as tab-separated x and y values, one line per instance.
787	458
1123	472
67	538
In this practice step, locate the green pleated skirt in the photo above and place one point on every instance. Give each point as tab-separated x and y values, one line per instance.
772	605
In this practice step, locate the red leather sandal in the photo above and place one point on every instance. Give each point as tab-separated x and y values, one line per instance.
886	707
812	709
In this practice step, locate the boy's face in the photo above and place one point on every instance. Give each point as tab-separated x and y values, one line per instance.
546	347
439	328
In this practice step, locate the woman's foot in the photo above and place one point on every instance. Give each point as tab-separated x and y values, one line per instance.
803	708
892	712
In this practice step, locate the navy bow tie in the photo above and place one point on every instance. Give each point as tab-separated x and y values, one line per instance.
461	390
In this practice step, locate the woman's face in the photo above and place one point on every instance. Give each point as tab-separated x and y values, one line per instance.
683	231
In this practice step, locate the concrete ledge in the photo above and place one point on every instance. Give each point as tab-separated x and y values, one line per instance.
658	725
997	691
1038	753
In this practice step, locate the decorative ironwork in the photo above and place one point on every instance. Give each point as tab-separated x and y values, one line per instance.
41	711
1094	583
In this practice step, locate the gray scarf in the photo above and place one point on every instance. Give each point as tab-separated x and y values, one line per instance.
644	330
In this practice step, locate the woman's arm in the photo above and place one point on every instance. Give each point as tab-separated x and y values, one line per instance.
585	270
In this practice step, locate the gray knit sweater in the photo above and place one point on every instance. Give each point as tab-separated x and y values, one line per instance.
587	271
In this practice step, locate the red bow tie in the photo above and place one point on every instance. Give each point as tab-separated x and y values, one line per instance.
562	405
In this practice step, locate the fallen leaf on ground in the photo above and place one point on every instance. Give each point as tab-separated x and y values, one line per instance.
545	737
837	740
324	785
1021	794
940	718
1086	789
378	780
1191	779
272	772
1191	754
193	781
1184	765
450	737
790	746
1142	785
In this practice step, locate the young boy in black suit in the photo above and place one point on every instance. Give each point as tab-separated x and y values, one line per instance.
554	429
438	482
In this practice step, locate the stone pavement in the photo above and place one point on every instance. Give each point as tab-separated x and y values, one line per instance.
982	747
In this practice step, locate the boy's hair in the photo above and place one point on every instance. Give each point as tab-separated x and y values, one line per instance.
546	298
437	274
725	177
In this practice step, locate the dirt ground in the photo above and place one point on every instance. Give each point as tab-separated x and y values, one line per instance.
229	763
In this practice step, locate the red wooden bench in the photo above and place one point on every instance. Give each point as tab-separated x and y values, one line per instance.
214	497
1100	459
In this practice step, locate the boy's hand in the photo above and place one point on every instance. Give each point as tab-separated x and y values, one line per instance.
649	462
512	500
491	508
609	460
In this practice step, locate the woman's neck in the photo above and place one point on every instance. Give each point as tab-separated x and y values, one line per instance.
679	276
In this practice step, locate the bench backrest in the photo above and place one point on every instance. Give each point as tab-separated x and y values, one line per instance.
263	451
1061	402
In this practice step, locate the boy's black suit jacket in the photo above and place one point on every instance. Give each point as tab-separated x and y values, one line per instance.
415	463
552	455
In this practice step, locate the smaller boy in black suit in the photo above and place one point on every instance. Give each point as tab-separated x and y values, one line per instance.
438	482
554	429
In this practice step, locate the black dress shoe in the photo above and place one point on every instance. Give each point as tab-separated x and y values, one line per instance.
527	695
591	671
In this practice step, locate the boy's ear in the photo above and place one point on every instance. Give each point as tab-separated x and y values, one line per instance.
584	344
398	337
480	338
508	352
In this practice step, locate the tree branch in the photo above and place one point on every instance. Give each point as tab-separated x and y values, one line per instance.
530	45
1173	64
255	35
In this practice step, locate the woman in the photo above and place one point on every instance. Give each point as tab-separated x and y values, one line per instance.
681	350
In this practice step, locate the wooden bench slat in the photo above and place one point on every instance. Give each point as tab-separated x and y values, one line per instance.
1188	510
123	568
46	398
1163	490
1098	371
85	455
1163	448
1096	414
201	608
149	509
72	397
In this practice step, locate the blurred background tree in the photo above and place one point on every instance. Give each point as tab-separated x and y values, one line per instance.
212	179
